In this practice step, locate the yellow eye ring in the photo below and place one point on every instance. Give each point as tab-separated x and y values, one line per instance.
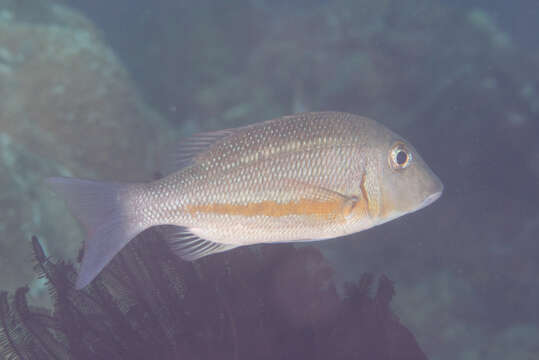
399	156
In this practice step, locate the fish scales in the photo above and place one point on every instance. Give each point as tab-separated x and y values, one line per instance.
267	165
309	176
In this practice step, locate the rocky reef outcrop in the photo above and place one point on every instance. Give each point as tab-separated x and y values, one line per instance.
67	107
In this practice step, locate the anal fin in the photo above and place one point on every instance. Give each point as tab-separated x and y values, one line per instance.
189	246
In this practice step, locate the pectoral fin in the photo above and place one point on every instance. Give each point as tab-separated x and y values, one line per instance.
321	201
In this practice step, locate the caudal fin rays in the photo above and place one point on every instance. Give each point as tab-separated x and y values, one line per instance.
99	206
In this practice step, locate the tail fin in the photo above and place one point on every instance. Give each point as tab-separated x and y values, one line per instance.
100	207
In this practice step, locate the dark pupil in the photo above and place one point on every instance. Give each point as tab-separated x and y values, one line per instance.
401	157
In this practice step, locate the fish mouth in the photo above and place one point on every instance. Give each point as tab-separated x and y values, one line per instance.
436	190
431	198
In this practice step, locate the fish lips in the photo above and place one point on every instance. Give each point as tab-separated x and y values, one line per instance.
434	194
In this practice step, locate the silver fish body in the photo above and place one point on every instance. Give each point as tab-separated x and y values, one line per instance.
308	176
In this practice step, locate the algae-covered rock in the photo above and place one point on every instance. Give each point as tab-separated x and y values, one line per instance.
26	209
67	107
65	95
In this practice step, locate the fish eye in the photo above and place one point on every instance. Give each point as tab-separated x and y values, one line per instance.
399	156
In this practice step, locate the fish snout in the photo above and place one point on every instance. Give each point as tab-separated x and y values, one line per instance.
436	189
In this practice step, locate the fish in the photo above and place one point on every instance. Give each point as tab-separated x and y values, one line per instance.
303	177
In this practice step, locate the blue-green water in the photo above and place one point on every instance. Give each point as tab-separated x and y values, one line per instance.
98	88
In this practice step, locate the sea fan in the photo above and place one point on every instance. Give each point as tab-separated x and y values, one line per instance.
274	302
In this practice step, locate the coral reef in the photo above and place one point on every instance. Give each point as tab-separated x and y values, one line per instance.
267	59
449	77
24	208
278	303
65	95
65	99
453	80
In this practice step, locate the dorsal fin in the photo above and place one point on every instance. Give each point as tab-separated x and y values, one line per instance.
184	152
189	246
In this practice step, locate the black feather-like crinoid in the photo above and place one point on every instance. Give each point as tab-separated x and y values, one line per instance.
278	302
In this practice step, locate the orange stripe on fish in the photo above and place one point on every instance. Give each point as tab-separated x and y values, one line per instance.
330	209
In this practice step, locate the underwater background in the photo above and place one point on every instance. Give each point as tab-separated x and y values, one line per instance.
97	89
